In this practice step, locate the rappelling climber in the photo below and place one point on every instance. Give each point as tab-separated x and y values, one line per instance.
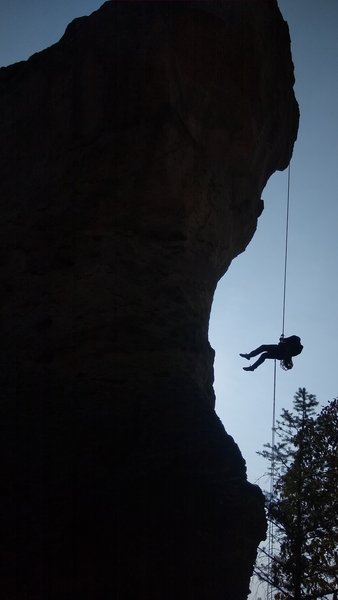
284	351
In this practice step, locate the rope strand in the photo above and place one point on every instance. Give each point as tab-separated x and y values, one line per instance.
286	249
272	483
273	429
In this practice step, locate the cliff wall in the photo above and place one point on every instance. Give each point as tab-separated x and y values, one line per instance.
133	156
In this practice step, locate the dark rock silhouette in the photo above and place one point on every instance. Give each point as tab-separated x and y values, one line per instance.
133	156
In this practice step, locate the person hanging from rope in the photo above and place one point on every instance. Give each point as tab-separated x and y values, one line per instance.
284	351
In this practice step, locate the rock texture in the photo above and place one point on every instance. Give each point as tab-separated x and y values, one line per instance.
133	155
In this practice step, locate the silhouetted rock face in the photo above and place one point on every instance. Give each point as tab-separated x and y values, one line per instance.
133	156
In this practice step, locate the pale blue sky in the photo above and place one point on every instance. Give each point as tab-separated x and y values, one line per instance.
248	303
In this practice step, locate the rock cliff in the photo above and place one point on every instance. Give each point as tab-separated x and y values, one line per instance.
133	156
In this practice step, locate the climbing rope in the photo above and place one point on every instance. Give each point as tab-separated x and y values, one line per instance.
272	485
286	249
273	431
282	364
273	428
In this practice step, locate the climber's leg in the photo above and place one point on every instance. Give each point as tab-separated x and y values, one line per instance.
264	348
258	362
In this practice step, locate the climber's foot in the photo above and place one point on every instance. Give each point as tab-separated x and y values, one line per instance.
248	369
245	356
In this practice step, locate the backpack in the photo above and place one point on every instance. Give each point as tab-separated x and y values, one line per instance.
293	344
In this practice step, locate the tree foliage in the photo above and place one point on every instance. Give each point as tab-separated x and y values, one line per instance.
303	505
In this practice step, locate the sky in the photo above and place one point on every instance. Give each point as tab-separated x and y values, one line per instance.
247	309
248	304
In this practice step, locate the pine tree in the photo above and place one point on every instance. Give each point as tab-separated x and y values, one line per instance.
303	506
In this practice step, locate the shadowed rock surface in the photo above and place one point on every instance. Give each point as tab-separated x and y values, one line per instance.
133	155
